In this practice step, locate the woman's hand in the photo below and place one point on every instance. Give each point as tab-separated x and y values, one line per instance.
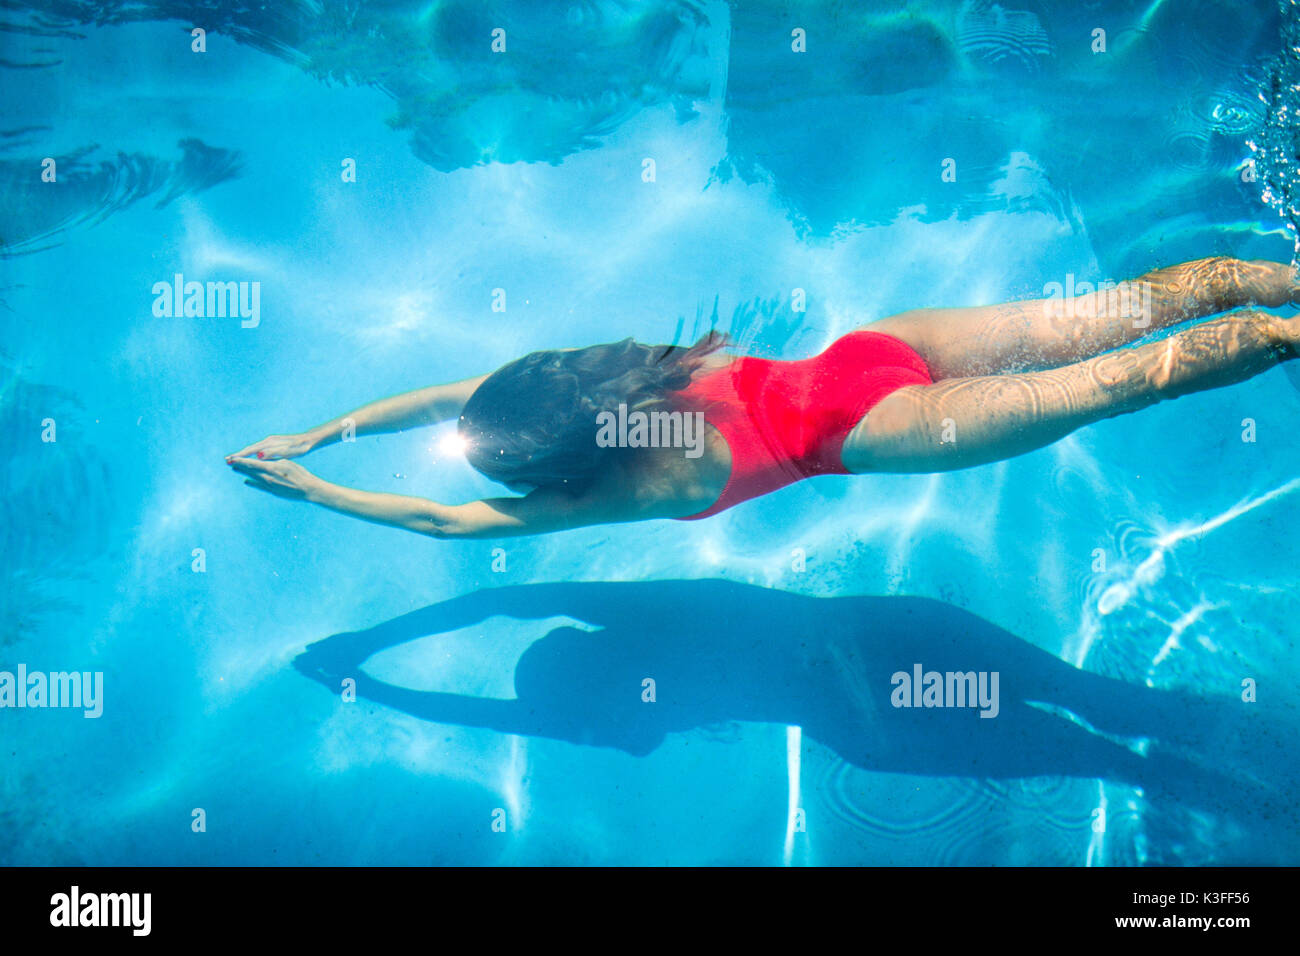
285	479
275	447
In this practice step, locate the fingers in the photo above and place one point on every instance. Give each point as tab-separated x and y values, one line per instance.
272	472
276	490
250	466
281	478
247	451
274	448
263	473
263	486
258	455
265	449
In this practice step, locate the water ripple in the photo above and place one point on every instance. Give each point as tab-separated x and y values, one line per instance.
461	105
935	806
32	214
990	33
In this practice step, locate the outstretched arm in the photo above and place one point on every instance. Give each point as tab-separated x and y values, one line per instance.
539	512
414	409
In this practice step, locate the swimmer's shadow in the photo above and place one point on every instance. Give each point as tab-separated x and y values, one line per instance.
719	651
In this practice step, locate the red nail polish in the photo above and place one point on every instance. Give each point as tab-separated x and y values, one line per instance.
259	454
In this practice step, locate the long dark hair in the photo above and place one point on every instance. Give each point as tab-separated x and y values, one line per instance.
534	421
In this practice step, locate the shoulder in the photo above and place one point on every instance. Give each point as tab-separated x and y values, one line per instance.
664	482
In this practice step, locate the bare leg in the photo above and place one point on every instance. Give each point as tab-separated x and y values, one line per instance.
1047	333
964	422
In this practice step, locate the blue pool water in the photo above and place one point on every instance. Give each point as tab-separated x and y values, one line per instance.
1125	581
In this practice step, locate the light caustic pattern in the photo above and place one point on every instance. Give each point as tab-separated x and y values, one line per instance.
775	170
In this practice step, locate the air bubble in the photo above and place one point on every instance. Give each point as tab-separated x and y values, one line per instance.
1276	143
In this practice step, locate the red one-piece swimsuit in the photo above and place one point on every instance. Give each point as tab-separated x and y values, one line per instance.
784	421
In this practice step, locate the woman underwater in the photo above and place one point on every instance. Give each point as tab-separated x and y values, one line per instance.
923	391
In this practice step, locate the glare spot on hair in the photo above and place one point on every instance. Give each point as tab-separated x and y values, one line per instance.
453	444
